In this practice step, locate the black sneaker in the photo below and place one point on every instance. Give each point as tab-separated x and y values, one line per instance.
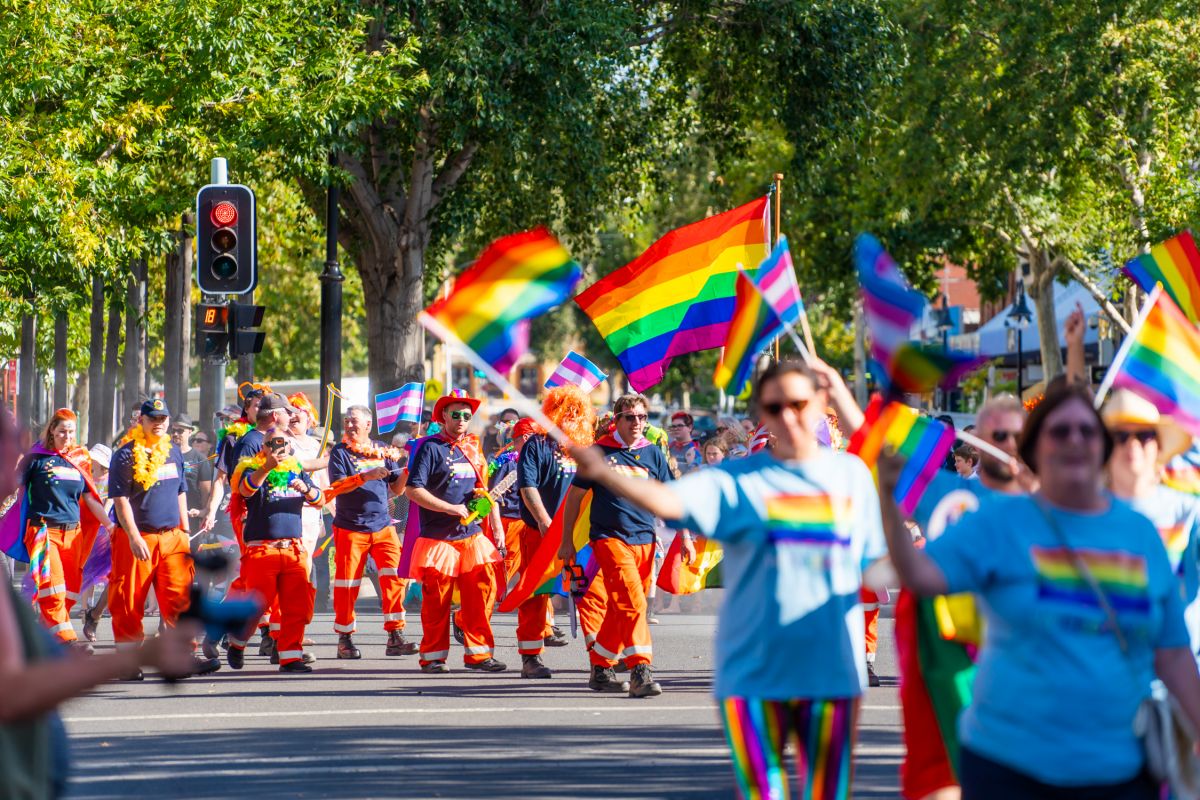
532	667
621	667
272	650
136	675
872	678
209	649
89	627
605	680
457	632
266	642
295	666
274	656
438	667
309	657
346	648
397	645
642	683
206	666
488	665
556	638
236	656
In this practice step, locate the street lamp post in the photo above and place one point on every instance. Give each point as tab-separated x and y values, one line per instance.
331	306
944	325
1018	317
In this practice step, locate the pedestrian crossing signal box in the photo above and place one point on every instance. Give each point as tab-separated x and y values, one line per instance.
225	330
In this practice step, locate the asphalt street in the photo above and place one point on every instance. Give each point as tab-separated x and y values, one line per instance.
378	727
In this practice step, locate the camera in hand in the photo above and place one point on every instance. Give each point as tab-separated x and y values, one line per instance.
277	443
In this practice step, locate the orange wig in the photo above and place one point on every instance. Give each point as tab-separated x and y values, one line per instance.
570	409
61	415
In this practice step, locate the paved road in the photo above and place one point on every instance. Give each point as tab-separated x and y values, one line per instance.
380	728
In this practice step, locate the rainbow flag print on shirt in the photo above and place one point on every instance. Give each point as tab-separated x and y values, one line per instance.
1175	539
630	471
460	470
1122	576
808	518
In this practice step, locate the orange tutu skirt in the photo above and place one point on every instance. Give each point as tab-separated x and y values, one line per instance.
451	559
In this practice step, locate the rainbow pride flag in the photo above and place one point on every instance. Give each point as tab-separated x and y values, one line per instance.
1121	575
1176	265
677	577
762	306
515	279
1182	473
923	441
1160	360
678	296
545	565
891	307
39	556
807	518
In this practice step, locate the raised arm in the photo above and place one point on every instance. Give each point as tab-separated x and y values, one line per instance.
651	495
917	571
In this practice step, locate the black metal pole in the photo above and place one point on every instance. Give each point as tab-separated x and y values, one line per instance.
331	306
1020	348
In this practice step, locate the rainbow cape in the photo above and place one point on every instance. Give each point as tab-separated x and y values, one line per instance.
515	279
678	296
763	304
923	441
1160	360
677	577
891	307
16	519
1176	265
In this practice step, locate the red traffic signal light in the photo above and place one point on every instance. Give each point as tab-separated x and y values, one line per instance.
226	239
224	213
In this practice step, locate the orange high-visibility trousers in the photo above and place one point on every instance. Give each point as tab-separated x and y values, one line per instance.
512	546
277	571
624	632
533	616
870	604
62	556
169	570
469	565
351	549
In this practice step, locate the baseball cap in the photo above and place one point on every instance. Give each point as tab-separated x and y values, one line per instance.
154	408
273	401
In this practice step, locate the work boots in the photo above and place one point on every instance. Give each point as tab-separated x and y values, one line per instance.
605	680
346	648
397	645
642	683
532	667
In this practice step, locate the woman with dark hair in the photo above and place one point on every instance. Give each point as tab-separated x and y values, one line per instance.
1082	611
59	515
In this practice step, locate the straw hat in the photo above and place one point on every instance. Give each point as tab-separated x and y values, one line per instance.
1126	408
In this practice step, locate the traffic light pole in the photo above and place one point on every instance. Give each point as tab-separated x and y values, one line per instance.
212	373
331	307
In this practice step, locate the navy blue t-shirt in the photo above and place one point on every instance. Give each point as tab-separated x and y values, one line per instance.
226	459
364	509
510	503
158	507
448	475
55	489
247	446
274	513
545	467
615	517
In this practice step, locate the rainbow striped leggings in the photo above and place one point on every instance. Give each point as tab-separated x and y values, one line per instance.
821	732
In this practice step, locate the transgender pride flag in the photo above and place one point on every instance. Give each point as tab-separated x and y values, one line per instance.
577	371
399	405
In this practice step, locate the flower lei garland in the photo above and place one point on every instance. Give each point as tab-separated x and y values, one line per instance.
148	456
502	457
372	450
278	478
236	429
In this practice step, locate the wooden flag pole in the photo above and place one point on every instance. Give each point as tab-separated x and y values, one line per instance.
777	209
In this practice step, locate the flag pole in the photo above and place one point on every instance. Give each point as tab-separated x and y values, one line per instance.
981	445
776	209
1119	359
518	399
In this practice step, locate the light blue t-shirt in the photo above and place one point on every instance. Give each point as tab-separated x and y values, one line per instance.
1054	696
944	485
796	538
1177	517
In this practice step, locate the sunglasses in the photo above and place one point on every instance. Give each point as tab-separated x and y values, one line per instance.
678	427
1143	437
462	415
775	409
1061	433
1000	437
199	440
635	417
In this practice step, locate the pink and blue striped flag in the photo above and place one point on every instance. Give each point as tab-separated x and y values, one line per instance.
576	370
399	405
891	306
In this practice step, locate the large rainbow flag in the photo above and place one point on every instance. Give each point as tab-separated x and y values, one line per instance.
891	306
1176	265
678	296
761	308
1160	360
515	279
677	577
923	441
544	566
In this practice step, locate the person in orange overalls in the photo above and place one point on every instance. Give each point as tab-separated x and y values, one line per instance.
622	538
63	513
361	473
445	473
275	562
150	547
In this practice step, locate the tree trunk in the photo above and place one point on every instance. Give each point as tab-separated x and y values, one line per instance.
95	417
395	341
81	402
108	393
135	322
177	319
60	360
1041	290
27	372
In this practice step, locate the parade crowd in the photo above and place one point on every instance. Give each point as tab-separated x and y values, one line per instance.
1079	565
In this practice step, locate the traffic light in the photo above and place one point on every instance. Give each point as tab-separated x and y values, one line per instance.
226	239
242	341
212	331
